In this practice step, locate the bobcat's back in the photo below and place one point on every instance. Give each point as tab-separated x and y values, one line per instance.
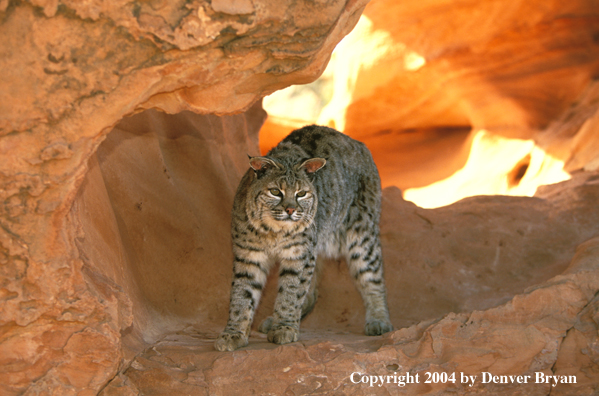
347	186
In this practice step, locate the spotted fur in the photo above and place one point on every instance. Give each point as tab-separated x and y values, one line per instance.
317	194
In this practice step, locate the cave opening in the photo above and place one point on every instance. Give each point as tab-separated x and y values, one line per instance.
154	214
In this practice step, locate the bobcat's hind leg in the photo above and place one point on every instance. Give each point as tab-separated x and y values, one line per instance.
312	295
365	261
265	325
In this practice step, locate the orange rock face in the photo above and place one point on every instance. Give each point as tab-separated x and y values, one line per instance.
72	71
124	129
487	285
470	65
480	91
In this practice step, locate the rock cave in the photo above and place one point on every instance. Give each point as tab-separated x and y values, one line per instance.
124	130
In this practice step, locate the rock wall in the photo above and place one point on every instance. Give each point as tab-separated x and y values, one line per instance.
156	235
72	71
471	64
472	94
120	154
499	285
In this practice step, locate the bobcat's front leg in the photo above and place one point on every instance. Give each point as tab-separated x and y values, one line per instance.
250	270
296	271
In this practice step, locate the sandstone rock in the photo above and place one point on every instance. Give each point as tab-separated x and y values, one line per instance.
427	84
72	70
114	250
480	65
490	285
175	197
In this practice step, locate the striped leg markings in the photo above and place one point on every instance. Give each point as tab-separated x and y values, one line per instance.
296	271
365	261
250	270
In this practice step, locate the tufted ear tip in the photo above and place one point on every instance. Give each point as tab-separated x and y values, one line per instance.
313	164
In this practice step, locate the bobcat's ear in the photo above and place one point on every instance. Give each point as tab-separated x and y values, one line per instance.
313	164
262	163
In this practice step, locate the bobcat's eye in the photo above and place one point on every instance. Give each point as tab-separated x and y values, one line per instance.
301	194
275	191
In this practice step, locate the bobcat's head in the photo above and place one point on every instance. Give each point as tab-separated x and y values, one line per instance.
282	198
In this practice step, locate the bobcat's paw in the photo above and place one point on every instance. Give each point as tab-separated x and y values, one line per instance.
265	325
230	341
377	327
283	335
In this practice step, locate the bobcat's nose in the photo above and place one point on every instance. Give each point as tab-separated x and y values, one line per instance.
289	210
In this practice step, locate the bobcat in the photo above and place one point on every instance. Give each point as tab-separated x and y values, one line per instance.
316	194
